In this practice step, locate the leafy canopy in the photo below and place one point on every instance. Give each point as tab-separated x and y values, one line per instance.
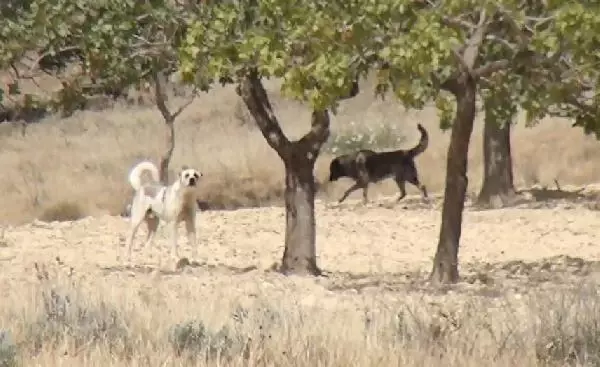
315	47
114	43
551	70
548	50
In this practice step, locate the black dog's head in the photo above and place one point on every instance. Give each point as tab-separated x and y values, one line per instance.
336	169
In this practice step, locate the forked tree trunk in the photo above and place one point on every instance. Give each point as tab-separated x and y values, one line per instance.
498	187
169	117
300	254
445	263
161	104
299	158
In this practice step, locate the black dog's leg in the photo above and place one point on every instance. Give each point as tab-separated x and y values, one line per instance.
424	191
363	176
401	186
354	187
421	187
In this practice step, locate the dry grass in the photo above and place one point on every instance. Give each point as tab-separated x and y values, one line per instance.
85	158
66	319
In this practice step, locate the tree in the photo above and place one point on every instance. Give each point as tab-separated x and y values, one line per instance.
307	45
452	46
545	86
116	44
498	188
14	44
435	56
423	50
500	105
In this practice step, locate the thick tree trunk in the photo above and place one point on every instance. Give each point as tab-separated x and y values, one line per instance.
445	263
299	158
166	157
498	187
299	256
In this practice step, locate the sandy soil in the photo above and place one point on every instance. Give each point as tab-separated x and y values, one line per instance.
382	246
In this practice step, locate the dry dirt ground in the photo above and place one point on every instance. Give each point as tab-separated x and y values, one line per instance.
381	239
375	258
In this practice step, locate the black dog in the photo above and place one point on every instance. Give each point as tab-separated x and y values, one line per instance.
367	166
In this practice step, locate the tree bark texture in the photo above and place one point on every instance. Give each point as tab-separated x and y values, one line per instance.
445	265
299	256
299	158
498	188
161	104
165	159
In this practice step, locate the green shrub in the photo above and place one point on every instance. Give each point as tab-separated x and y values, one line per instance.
194	338
67	318
356	136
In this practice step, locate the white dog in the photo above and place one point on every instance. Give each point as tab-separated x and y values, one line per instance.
154	202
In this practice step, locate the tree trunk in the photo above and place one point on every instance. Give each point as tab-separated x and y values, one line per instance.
445	263
498	187
299	158
166	157
299	256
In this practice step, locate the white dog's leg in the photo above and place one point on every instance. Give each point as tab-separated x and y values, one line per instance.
136	221
152	224
174	251
190	228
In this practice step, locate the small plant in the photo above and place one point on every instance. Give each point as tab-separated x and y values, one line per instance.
3	241
8	350
66	317
355	136
193	338
569	334
62	212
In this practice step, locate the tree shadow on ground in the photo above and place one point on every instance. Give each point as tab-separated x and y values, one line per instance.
543	197
359	282
543	193
480	278
181	265
410	202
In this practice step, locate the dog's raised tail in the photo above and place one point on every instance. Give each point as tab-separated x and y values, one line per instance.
135	175
423	143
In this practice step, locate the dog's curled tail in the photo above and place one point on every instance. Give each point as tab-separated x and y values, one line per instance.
135	175
423	143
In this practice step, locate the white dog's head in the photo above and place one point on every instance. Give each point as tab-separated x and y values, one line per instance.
189	177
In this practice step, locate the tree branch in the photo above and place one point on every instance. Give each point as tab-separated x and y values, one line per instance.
503	42
161	98
186	104
457	23
449	85
471	52
516	28
490	68
256	99
318	134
